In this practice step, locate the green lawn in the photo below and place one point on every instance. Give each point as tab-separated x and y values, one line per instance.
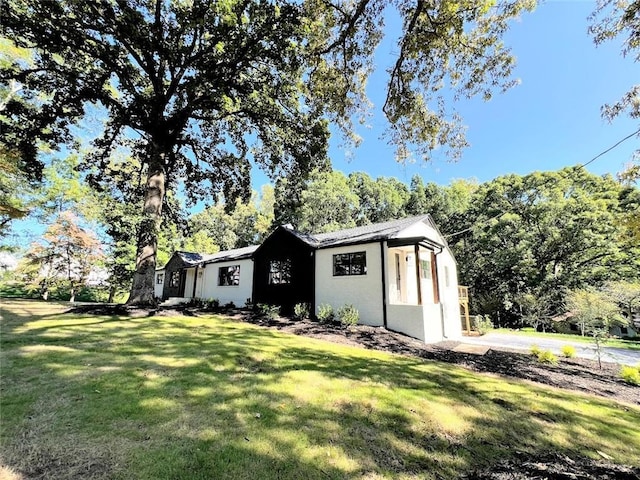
206	397
530	332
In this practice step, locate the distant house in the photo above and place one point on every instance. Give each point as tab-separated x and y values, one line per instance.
400	275
565	323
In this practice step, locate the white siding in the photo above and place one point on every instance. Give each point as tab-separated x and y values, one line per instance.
238	294
418	230
364	292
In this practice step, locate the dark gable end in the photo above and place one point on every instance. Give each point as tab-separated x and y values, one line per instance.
175	267
284	270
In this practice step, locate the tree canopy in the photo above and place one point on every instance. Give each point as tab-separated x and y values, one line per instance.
200	90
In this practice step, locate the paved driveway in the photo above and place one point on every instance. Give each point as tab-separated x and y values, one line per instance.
584	350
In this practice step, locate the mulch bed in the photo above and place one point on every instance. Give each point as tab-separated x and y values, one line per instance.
554	466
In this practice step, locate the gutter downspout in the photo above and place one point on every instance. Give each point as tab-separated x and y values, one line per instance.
384	285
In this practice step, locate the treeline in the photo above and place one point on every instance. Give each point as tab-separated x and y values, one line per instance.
522	242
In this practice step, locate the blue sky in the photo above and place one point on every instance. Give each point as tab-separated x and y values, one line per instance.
551	120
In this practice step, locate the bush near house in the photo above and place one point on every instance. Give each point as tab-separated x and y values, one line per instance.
301	311
348	316
325	313
271	312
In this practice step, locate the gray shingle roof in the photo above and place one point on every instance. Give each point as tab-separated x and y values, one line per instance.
191	259
377	231
235	254
367	233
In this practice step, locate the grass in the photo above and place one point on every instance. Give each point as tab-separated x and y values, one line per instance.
530	332
205	397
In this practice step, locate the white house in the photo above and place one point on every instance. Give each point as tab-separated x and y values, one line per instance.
226	276
400	275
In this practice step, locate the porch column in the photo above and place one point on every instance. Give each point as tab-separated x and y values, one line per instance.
418	276
434	278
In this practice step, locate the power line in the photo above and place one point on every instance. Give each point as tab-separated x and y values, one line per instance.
577	167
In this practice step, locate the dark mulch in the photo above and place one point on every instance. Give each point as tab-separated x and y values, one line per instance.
573	374
554	466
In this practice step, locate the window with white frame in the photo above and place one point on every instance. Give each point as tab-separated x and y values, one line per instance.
280	272
159	278
229	276
175	279
354	263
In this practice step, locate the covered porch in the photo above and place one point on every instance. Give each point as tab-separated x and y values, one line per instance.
415	282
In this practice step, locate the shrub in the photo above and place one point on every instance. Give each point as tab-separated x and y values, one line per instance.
301	311
325	313
229	306
348	315
269	311
212	304
248	304
196	302
535	350
483	324
547	357
568	351
630	375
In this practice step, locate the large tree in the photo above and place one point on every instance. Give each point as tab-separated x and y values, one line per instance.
194	84
543	234
620	19
66	254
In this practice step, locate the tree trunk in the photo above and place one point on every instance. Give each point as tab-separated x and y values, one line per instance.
112	293
142	291
72	297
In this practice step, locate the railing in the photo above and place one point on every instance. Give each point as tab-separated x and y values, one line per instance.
463	294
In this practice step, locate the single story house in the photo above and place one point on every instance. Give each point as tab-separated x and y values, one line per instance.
400	275
565	323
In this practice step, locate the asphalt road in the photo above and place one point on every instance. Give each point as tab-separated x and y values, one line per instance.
583	350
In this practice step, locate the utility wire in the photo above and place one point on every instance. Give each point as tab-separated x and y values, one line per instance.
577	167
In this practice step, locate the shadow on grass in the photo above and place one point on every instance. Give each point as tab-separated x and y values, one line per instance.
206	398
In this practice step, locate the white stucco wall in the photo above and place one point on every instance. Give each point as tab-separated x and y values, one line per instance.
364	292
432	323
419	230
449	295
157	289
407	319
237	294
421	322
